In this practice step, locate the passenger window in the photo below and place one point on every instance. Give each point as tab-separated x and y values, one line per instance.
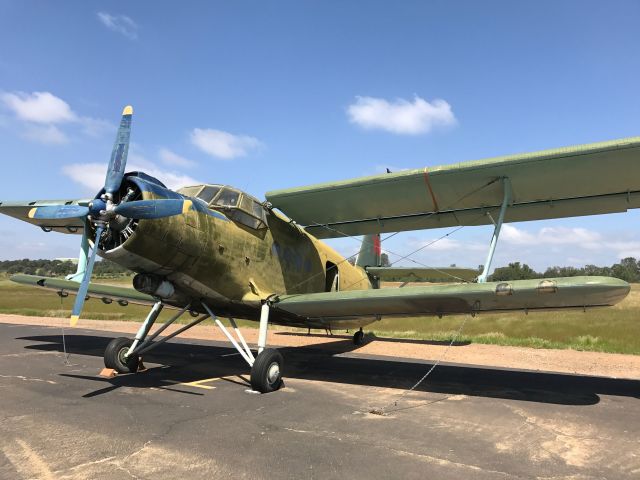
258	210
227	198
207	193
246	204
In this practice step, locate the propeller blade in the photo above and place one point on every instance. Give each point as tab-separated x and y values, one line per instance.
118	161
151	209
84	286
58	212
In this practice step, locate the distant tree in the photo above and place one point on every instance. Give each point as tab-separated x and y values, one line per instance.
563	272
58	268
627	270
514	271
595	270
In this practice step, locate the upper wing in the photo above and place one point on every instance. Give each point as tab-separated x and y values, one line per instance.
455	299
24	211
101	291
583	180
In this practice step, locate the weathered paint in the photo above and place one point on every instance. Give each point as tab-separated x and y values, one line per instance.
586	179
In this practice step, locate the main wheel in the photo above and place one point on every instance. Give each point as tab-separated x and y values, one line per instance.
266	373
358	338
114	356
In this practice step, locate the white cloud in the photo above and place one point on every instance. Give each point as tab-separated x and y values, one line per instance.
223	144
171	158
42	115
552	236
39	107
119	23
401	116
571	241
49	135
92	175
443	245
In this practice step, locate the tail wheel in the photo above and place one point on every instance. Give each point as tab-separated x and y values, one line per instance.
358	338
266	373
114	356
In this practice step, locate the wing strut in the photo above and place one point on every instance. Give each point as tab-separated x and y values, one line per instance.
506	200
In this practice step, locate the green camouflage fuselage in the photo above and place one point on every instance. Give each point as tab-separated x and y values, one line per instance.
230	266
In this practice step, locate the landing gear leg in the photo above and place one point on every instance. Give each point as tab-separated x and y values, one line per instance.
266	371
266	367
118	354
123	354
358	337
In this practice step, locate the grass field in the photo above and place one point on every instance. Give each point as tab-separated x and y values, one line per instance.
613	329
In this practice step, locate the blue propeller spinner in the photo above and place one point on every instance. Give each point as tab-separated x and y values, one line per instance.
102	209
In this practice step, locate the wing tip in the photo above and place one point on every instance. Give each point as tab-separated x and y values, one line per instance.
74	320
128	110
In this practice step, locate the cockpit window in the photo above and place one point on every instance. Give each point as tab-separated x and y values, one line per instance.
190	191
227	198
207	193
258	210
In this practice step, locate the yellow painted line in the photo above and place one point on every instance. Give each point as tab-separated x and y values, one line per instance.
186	205
32	212
74	320
201	383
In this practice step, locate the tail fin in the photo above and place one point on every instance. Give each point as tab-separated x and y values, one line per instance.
370	251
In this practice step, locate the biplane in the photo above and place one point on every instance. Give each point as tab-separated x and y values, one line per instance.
214	251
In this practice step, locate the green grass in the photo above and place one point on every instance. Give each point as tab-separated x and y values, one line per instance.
613	329
610	329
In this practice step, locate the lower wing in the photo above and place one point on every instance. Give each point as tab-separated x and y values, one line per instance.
555	293
107	293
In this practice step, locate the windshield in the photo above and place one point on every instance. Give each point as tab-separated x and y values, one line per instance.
227	198
207	193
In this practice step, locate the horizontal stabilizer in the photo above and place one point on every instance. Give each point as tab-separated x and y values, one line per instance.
434	274
554	293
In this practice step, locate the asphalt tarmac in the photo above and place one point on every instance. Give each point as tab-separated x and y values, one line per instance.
191	415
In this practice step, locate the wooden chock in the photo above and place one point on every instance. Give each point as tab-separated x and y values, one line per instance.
108	373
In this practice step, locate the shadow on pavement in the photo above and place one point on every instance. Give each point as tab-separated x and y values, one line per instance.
372	336
332	362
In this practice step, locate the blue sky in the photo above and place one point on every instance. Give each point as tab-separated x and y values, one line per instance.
265	96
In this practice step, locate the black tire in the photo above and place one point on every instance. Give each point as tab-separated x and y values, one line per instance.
358	338
114	356
266	373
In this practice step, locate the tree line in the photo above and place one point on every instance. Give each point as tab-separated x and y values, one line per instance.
627	269
59	268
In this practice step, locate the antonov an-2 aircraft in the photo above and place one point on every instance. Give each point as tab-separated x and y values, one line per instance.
215	251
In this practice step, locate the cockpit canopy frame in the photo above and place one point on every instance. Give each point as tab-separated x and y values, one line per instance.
236	204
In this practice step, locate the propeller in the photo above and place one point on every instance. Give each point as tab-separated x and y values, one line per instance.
112	182
84	285
102	210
